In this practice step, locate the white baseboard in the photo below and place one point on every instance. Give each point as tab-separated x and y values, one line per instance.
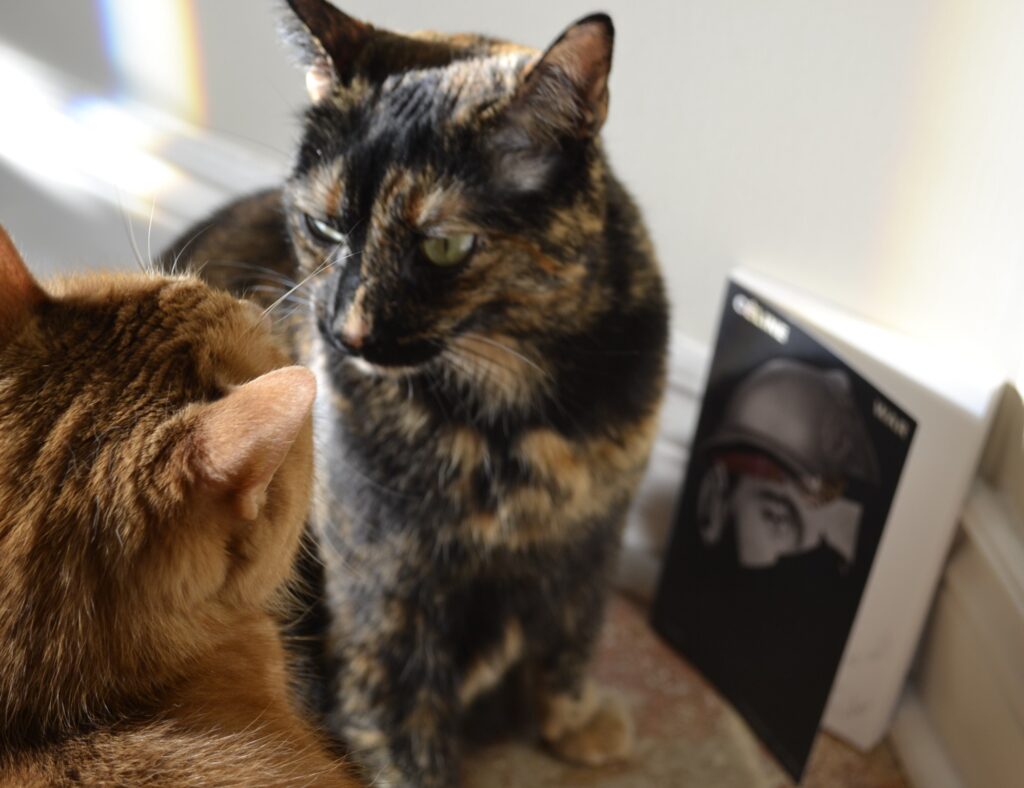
922	755
970	673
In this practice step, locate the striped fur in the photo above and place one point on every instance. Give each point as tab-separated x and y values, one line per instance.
138	638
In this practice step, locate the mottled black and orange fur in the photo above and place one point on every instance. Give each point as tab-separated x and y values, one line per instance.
155	473
481	443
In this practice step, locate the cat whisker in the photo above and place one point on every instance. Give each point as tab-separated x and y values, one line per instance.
149	235
289	292
467	371
286	316
470	366
505	378
223	132
130	230
263	271
487	365
324	265
472	336
272	289
188	243
481	361
276	290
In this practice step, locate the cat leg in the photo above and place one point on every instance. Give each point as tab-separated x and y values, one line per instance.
587	726
397	709
580	722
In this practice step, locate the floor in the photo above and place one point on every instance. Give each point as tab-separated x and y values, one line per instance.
686	735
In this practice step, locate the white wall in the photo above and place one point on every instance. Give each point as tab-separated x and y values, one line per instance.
867	151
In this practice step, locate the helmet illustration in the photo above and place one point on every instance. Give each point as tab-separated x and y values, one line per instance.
778	465
803	417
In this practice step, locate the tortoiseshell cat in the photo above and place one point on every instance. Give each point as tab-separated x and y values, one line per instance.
488	328
155	470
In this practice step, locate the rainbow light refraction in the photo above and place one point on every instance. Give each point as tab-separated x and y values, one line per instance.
153	47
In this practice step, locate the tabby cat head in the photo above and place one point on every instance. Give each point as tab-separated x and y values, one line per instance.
449	191
155	464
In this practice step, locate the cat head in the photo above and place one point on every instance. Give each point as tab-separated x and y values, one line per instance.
449	192
155	467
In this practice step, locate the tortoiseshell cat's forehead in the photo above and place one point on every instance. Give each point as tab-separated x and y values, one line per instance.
414	115
392	55
455	93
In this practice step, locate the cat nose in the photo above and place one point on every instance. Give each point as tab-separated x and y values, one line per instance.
352	341
354	331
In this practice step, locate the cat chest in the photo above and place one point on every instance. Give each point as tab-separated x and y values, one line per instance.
534	486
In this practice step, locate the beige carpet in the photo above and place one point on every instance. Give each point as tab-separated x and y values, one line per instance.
686	735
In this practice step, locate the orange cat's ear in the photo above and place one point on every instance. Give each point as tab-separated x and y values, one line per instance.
20	295
243	438
332	42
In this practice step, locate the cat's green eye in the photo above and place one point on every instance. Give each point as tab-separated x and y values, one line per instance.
448	250
324	231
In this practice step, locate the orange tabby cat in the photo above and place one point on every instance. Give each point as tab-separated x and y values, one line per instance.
155	464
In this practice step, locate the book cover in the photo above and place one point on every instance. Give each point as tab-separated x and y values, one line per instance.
796	460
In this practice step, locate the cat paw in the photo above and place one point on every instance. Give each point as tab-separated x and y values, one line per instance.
592	730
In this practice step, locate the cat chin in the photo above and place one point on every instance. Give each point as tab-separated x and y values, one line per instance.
370	369
363	366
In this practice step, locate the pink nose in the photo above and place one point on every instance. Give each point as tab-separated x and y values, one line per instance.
352	340
353	331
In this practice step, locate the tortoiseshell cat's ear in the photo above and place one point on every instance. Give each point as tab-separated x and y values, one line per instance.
332	42
242	439
20	294
567	90
563	97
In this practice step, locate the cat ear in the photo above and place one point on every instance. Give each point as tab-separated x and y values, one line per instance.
564	96
331	41
20	294
242	439
566	92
